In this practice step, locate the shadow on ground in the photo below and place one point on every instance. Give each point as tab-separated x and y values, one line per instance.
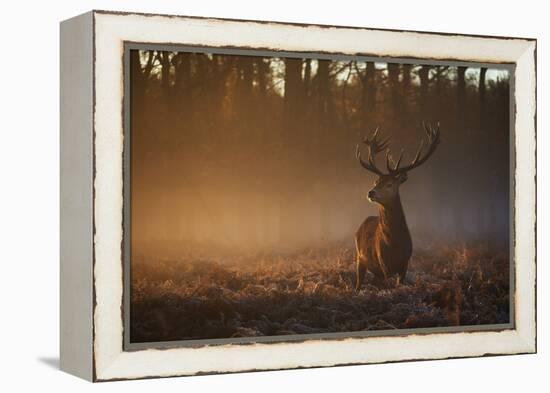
52	362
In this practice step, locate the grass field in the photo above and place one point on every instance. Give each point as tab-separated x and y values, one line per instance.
313	292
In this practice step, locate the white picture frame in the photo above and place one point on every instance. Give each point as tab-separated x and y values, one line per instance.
92	189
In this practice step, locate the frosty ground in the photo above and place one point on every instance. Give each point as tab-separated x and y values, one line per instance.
313	292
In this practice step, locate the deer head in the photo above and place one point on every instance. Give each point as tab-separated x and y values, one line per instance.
386	186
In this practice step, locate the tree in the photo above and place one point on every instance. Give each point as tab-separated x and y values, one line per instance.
292	117
424	75
482	96
461	96
166	64
323	124
406	89
368	92
396	97
307	77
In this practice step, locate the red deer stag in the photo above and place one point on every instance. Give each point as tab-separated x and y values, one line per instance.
383	243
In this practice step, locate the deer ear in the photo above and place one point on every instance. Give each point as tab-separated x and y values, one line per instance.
402	177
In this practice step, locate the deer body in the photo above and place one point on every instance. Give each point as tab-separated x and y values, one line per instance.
383	244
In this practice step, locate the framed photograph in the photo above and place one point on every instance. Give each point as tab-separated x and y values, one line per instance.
245	195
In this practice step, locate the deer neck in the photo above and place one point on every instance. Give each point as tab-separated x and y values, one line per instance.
392	220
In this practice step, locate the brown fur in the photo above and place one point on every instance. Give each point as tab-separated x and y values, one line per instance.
383	244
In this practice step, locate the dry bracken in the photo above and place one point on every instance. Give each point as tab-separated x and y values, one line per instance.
313	292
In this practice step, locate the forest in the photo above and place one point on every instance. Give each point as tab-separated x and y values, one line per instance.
246	192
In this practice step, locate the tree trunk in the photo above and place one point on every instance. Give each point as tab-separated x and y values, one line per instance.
424	75
165	74
483	189
307	77
406	90
182	71
462	188
291	125
393	80
262	130
368	94
461	97
482	94
371	87
324	171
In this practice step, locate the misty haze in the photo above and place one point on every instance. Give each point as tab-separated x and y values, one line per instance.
246	195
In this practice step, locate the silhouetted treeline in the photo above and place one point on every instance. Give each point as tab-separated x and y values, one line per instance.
247	152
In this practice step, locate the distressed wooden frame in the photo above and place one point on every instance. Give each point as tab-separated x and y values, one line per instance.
92	186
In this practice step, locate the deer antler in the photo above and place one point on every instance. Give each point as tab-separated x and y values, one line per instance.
374	146
433	136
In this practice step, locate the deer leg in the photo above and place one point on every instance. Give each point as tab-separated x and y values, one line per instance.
379	282
403	275
361	270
